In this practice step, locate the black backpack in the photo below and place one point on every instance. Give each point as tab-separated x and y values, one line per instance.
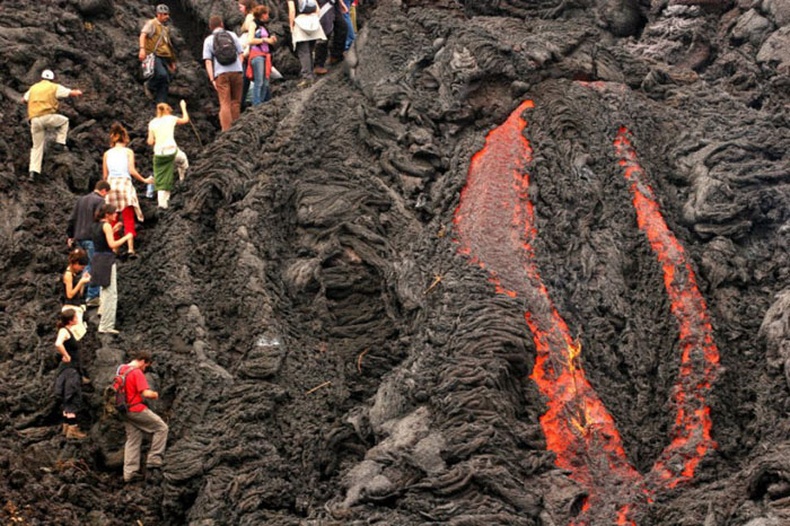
224	48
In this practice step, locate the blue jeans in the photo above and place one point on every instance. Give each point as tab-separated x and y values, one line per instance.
160	82
350	36
261	85
87	245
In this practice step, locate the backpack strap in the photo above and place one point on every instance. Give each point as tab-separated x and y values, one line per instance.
123	376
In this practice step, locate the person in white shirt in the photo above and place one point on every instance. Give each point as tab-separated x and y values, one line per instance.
168	157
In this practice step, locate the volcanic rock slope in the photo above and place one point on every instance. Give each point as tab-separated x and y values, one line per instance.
346	310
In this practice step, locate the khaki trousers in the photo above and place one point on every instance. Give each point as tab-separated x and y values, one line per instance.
38	132
136	424
109	302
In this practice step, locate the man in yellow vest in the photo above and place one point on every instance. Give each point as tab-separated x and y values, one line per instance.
155	38
42	106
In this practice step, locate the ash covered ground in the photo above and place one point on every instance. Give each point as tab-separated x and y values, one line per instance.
327	354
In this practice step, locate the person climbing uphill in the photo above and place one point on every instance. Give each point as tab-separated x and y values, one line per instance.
71	374
139	419
42	112
79	231
104	267
168	157
222	55
75	280
155	39
117	169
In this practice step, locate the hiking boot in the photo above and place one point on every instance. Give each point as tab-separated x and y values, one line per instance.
57	147
334	60
147	91
305	83
320	70
73	432
32	176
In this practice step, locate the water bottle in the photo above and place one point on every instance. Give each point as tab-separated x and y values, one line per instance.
149	191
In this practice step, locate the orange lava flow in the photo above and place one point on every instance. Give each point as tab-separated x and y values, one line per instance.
496	228
691	433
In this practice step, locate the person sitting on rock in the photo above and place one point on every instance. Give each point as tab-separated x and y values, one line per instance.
42	112
117	169
71	374
168	157
139	419
155	38
75	280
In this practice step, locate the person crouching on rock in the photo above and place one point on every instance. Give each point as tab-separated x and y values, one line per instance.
139	419
168	157
75	280
117	169
103	265
71	375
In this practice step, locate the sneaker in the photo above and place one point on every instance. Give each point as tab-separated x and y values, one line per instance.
305	83
132	255
334	60
320	70
93	302
57	147
109	331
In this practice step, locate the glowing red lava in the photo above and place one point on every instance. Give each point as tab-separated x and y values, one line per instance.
495	225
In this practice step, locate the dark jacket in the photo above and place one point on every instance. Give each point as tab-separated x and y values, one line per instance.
81	219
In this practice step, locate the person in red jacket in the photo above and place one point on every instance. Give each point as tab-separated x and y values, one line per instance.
139	419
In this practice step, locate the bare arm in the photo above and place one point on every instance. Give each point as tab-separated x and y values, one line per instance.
63	335
210	71
291	14
141	54
104	171
133	170
71	289
111	241
184	115
153	395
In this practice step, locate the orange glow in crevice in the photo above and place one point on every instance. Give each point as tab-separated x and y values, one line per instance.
496	229
699	359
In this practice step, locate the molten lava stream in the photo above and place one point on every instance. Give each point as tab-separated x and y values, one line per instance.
691	434
495	225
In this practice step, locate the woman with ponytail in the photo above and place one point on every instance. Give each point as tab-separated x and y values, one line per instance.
118	169
167	156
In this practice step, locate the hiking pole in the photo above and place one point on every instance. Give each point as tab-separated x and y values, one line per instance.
200	142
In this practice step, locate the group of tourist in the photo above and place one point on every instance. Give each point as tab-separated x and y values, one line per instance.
104	221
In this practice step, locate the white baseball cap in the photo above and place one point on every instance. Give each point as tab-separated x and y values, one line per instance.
47	74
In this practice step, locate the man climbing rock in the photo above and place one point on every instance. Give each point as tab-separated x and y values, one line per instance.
42	112
139	419
155	38
79	230
222	53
